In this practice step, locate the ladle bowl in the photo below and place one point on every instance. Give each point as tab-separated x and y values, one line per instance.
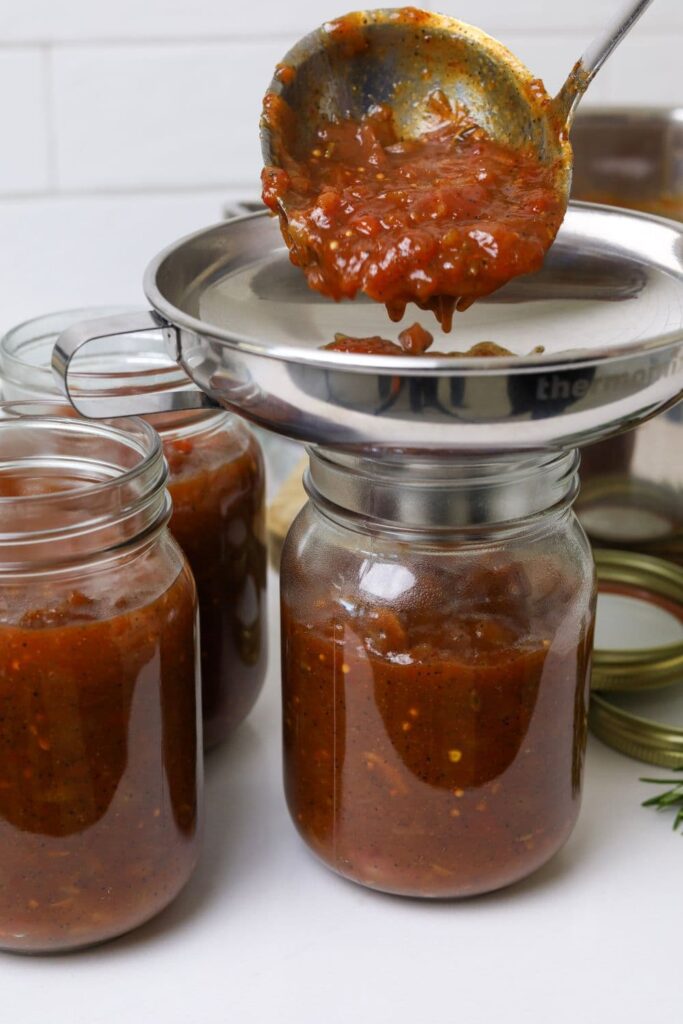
399	57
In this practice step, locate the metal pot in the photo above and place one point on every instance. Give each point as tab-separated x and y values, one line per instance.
632	493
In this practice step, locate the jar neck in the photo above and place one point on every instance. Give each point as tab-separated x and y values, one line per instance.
113	368
74	489
177	426
26	351
442	495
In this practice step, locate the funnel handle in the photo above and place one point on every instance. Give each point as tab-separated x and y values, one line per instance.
106	400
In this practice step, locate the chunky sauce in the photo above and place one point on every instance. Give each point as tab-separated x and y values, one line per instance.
413	341
434	747
217	485
439	220
99	775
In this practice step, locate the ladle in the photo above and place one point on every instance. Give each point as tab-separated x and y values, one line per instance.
400	57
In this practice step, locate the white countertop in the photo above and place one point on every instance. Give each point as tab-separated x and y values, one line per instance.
264	933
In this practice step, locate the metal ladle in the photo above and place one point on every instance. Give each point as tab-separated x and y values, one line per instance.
400	57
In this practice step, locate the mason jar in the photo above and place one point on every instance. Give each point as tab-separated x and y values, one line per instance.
217	484
100	774
437	622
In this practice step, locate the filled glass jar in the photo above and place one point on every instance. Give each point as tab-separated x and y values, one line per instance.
100	732
217	484
437	622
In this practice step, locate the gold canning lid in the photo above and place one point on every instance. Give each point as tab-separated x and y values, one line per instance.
635	736
658	584
637	708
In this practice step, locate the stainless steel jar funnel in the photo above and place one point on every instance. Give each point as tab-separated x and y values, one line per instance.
607	307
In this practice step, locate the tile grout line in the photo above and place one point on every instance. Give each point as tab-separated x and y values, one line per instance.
532	31
138	42
50	119
228	191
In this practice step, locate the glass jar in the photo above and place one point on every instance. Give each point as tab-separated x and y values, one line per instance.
437	621
100	774
217	483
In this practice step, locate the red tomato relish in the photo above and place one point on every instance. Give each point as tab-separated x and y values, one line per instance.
439	220
435	748
413	341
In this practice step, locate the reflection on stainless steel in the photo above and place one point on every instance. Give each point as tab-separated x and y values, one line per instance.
632	493
608	361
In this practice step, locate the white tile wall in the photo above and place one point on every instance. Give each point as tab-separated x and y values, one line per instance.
648	70
160	116
62	252
88	20
24	164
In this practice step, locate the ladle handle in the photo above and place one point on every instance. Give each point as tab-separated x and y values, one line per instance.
116	396
592	59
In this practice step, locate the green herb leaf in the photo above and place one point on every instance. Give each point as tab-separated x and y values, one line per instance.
669	798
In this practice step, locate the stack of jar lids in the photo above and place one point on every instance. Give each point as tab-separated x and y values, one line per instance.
627	678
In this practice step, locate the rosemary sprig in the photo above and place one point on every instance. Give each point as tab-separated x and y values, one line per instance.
669	798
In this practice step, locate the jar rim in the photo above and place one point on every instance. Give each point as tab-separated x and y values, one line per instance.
449	492
123	361
37	336
120	495
47	411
